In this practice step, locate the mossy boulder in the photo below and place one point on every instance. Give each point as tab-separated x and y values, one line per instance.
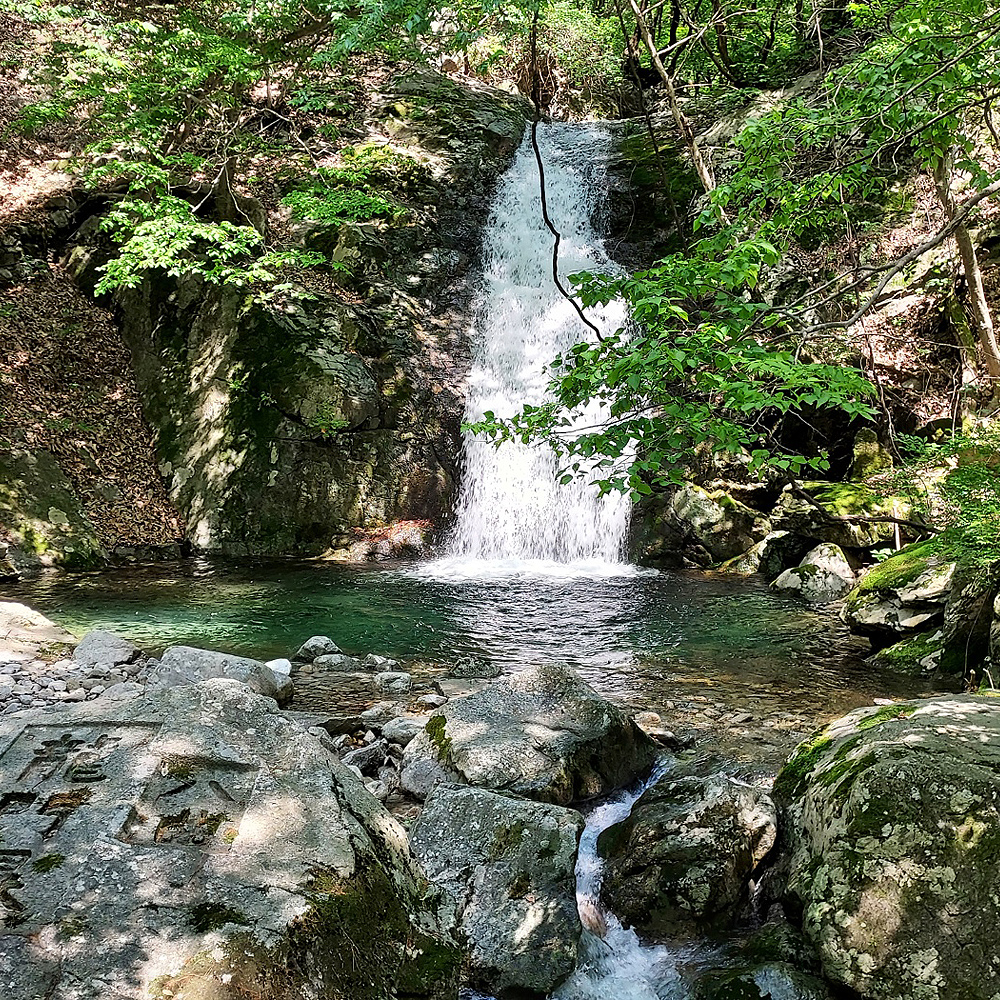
42	520
683	858
707	527
890	828
903	595
771	556
819	514
823	575
918	656
870	456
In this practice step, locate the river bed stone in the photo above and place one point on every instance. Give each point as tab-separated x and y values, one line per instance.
199	844
683	858
542	733
509	865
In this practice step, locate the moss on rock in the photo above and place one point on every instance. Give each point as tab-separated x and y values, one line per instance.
915	657
891	832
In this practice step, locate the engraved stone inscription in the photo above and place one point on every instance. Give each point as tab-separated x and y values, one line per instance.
50	772
192	802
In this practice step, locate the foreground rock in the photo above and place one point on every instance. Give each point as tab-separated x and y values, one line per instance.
199	845
189	665
509	865
823	575
890	828
542	733
684	856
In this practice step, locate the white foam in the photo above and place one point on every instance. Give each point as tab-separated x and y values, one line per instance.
461	568
513	516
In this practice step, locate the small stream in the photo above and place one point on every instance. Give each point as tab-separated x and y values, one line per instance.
614	962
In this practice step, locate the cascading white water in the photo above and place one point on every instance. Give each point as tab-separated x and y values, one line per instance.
513	515
613	961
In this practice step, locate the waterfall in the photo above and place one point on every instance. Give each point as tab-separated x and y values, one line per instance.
512	514
613	961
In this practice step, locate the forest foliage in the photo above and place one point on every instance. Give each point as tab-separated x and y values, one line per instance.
171	104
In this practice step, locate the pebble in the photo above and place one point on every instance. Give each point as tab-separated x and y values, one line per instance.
432	700
647	720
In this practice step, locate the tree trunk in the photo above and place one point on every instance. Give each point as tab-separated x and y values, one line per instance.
698	161
982	319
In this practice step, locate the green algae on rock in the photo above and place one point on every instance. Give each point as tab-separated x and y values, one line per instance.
890	826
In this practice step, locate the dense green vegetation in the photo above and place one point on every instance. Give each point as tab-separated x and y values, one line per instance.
171	107
719	359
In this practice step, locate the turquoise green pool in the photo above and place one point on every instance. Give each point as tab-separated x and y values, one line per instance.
636	638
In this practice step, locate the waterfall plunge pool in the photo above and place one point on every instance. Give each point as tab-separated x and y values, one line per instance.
647	640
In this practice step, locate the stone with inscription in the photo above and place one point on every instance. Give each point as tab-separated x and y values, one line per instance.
195	843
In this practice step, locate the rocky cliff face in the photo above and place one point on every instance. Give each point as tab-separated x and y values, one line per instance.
310	420
321	416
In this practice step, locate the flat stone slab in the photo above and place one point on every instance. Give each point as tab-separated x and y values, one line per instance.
198	841
26	633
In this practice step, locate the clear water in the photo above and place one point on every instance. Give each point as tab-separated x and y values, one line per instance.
513	513
639	639
647	641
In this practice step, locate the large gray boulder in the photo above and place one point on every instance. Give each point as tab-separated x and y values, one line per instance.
683	858
722	525
904	595
542	733
189	665
824	575
890	829
101	648
198	844
509	865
